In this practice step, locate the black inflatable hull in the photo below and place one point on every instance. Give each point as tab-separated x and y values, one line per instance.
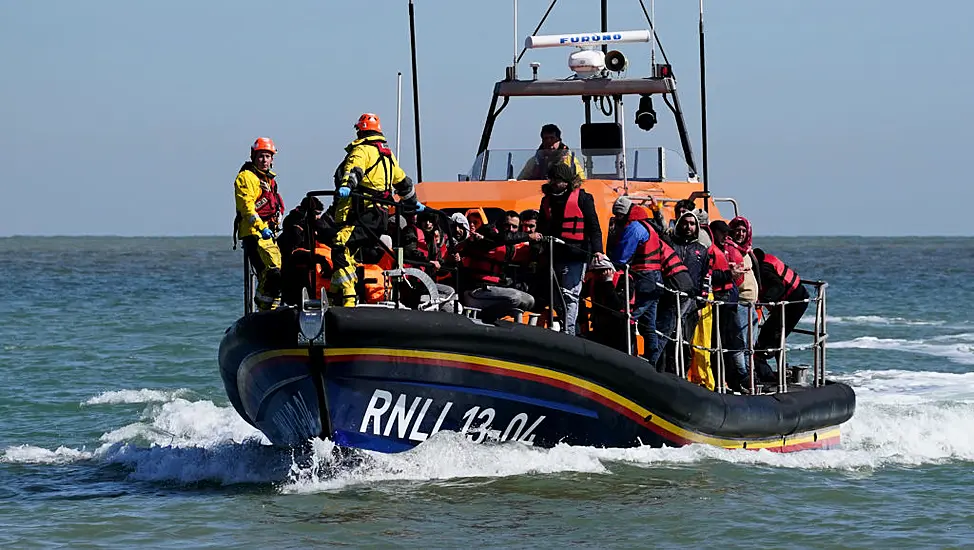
388	379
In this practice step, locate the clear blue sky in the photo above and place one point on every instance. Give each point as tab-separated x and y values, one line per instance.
131	118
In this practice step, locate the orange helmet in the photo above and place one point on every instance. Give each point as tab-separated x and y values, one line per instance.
264	144
368	121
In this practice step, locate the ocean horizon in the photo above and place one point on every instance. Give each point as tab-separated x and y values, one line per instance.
118	432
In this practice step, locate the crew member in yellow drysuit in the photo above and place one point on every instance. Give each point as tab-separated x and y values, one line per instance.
259	211
372	170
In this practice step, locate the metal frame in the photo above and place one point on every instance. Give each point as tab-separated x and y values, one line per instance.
586	89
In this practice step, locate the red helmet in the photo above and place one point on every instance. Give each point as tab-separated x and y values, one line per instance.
368	121
264	144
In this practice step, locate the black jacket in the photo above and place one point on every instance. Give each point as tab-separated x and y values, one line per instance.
583	251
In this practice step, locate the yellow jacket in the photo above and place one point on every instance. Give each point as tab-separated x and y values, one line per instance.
534	170
375	171
248	190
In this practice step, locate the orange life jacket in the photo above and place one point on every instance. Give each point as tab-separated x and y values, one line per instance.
573	221
375	284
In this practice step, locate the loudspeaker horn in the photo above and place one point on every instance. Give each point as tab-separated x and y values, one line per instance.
615	61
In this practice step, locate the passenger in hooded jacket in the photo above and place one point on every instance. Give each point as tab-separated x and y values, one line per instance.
779	283
740	240
693	255
732	331
259	210
568	213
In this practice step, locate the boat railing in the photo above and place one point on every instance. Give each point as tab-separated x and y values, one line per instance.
786	375
644	197
641	164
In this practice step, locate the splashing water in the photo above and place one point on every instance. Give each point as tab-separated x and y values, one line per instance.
903	418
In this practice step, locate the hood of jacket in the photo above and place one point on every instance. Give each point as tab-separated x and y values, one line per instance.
677	237
745	247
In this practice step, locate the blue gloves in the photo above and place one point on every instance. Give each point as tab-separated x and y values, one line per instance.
420	206
266	233
343	192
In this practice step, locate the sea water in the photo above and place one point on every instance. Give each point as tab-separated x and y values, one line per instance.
116	431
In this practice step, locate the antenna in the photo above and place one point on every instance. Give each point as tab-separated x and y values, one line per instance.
514	64
605	22
703	114
412	47
398	112
652	52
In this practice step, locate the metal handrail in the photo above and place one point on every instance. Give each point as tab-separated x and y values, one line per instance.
818	345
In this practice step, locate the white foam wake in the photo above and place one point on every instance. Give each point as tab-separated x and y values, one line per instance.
177	440
135	396
29	454
446	455
961	351
902	418
873	320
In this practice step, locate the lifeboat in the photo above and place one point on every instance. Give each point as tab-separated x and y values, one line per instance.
386	377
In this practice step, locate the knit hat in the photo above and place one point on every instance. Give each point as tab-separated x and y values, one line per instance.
702	217
621	206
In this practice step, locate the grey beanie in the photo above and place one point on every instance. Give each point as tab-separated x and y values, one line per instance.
622	206
702	217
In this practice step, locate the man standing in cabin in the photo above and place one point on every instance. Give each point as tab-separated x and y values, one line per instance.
568	213
551	151
259	210
372	172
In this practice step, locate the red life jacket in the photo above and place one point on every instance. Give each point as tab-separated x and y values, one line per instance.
438	252
421	241
269	205
521	254
672	264
648	255
485	266
718	262
573	222
789	278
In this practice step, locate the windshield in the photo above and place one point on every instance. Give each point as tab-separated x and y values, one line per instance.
643	164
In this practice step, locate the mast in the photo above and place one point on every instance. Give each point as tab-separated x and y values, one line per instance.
605	21
412	47
398	112
703	115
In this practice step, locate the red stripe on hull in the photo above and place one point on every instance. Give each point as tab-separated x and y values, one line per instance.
669	436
